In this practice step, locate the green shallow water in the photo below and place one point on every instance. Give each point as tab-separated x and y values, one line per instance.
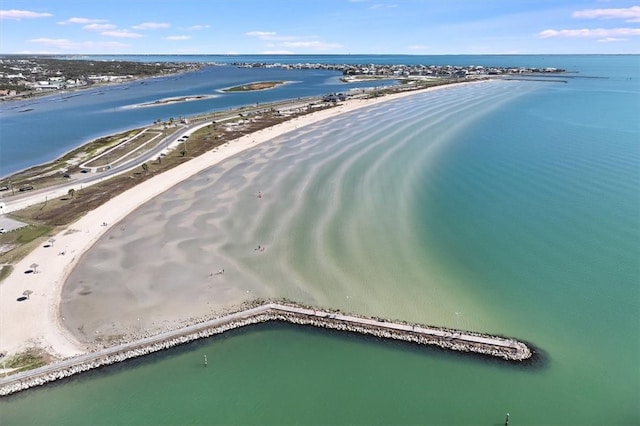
278	374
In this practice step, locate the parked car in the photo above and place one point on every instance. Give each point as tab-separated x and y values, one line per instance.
3	231
26	188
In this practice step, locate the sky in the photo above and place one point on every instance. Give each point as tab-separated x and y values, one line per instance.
420	27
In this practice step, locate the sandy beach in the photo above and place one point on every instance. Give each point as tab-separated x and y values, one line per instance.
37	321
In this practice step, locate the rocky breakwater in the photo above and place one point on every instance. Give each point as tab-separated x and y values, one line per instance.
457	340
508	349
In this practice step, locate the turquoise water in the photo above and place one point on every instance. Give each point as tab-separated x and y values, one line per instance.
511	208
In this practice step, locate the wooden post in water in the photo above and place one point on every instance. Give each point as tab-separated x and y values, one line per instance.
506	421
205	362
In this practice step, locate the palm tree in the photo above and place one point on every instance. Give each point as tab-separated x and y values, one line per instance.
34	267
51	241
27	293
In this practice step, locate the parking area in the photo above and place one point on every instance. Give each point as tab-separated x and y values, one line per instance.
8	224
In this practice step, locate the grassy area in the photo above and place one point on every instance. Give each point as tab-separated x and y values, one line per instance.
261	85
27	360
50	174
23	241
126	146
5	271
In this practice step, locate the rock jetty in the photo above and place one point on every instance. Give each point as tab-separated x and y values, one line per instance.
457	340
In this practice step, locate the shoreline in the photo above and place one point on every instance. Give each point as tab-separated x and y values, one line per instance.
507	349
40	318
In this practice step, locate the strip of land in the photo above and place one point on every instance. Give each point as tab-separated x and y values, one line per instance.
35	322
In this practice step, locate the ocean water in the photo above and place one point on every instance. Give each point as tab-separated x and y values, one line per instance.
506	207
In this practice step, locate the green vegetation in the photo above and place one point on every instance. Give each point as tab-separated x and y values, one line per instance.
27	360
22	241
30	233
261	85
5	271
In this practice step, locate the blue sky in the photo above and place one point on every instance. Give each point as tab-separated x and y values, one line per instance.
319	26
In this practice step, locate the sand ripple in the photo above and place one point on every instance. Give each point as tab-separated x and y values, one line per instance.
333	225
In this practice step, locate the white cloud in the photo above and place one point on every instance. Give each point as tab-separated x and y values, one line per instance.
591	32
121	34
151	26
84	21
280	41
76	46
382	6
277	52
51	41
99	27
315	44
178	37
22	14
185	51
271	36
198	27
418	47
264	35
611	40
630	14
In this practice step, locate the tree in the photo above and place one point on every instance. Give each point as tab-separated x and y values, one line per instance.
27	293
145	167
51	241
72	193
34	267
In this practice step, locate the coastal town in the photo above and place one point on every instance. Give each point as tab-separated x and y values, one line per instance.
23	76
407	71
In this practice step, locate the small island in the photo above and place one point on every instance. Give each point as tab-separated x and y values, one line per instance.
258	85
167	101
